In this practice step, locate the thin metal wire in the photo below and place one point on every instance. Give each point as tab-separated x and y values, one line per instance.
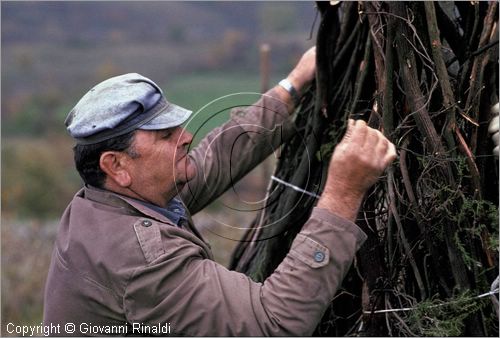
489	293
294	187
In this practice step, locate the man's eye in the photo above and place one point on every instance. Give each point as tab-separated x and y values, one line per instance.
167	135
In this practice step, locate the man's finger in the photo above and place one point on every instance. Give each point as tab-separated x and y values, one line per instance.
494	109
493	127
348	132
382	145
495	138
391	154
372	138
359	131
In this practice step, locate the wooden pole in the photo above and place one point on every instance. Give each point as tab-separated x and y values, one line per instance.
265	50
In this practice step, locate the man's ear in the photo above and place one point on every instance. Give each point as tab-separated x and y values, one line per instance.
113	163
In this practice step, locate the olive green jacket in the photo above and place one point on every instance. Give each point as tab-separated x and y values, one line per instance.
119	267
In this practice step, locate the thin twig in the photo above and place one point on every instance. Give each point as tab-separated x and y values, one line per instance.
404	241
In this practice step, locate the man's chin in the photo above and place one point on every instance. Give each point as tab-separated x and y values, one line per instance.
181	182
188	170
187	175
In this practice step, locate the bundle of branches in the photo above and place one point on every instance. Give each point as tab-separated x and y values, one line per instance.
426	74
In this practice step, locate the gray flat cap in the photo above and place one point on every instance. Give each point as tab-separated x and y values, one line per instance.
119	105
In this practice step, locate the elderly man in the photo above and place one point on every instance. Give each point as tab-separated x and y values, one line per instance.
127	258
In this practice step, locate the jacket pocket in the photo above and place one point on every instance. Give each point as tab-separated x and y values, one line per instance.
310	252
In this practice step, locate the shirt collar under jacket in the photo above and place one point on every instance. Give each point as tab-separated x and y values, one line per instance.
174	210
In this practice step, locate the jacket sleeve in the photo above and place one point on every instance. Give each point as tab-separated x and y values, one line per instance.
229	152
199	297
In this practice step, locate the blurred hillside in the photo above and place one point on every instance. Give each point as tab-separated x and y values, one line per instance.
53	52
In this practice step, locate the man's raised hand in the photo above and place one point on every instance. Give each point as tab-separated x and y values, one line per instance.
356	164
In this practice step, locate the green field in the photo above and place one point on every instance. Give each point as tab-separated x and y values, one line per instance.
211	96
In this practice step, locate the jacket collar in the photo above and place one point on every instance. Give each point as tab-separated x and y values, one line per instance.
116	200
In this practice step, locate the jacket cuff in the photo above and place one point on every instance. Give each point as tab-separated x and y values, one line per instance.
323	216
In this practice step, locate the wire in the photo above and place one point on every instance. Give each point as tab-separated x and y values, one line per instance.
489	293
294	187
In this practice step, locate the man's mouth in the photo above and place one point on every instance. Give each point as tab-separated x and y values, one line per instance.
182	157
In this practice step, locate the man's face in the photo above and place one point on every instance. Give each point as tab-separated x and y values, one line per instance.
162	166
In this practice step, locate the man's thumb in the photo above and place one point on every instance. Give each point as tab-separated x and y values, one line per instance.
350	127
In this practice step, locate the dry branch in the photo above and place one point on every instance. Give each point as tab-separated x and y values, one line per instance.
432	219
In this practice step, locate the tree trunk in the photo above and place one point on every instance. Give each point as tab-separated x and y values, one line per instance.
432	220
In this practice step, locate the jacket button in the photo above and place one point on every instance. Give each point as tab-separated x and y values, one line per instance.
146	223
319	256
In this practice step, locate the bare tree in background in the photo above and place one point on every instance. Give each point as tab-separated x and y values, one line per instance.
426	74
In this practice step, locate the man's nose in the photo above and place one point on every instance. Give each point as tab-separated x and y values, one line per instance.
185	138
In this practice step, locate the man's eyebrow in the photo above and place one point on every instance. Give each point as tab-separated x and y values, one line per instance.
166	132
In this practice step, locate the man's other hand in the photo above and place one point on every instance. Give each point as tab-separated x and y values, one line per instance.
356	164
493	129
303	74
